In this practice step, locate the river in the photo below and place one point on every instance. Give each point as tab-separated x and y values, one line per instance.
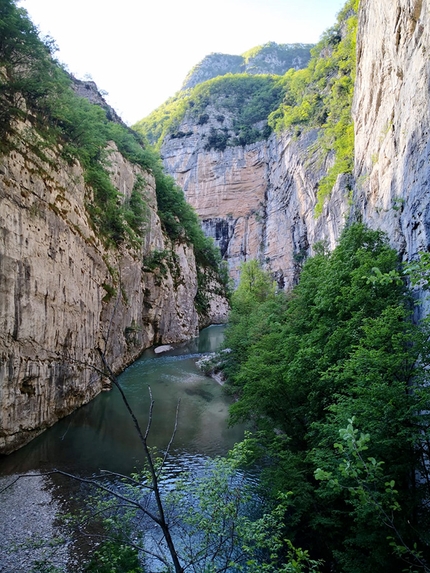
101	435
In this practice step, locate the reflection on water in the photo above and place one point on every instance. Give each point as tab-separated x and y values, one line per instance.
101	434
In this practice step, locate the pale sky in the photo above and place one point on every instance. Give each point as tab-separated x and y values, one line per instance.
140	51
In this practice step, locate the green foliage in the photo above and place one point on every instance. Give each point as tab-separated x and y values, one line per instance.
114	557
341	346
320	96
35	88
418	271
228	529
217	139
254	308
249	98
217	522
255	286
136	210
110	292
24	64
363	477
164	120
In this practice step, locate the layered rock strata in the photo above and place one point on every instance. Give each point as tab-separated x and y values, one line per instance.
64	294
258	201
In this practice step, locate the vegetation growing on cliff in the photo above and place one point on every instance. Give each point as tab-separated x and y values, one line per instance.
35	90
249	99
320	96
270	58
334	378
281	57
316	97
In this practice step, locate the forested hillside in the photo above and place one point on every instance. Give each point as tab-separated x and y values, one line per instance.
270	58
266	156
244	108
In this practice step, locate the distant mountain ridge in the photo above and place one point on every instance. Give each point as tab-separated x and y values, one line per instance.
270	58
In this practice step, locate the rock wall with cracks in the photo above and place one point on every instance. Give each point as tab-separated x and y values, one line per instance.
64	294
392	121
258	201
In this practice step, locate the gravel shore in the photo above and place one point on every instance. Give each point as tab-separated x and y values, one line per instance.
29	531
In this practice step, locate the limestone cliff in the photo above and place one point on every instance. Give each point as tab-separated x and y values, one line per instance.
257	192
392	119
64	293
100	255
258	200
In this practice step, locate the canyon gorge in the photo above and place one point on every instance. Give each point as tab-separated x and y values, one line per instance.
66	295
259	200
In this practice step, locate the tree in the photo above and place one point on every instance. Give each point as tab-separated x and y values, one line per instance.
208	526
341	346
254	305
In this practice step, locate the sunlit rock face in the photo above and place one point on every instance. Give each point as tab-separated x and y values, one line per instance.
258	201
64	294
226	188
392	119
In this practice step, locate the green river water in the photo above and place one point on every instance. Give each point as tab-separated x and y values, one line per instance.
101	435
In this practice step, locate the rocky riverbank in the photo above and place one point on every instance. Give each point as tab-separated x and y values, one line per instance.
30	533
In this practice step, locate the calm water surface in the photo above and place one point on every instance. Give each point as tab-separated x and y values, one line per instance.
101	435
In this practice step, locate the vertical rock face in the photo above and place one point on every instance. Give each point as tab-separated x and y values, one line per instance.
258	201
392	118
64	294
227	189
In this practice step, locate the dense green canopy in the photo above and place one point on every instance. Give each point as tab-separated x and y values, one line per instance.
340	353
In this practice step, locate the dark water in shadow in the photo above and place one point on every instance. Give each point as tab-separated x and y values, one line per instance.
101	434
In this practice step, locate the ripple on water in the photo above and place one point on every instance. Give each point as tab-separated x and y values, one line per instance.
101	435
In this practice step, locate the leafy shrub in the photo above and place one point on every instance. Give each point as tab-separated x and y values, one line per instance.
249	98
114	557
217	139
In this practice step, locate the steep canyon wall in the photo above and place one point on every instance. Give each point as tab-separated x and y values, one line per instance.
258	201
64	294
392	120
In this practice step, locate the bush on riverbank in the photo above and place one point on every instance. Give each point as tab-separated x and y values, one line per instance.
333	376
